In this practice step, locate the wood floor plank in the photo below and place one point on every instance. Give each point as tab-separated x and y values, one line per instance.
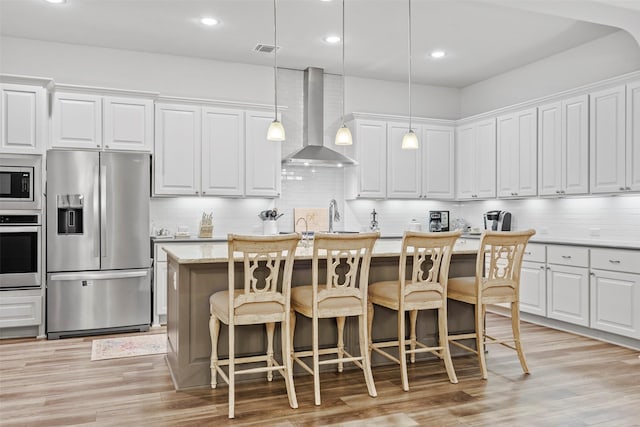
574	381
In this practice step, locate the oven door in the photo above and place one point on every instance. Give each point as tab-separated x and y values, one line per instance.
20	249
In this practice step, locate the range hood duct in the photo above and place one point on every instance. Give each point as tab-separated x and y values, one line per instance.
313	151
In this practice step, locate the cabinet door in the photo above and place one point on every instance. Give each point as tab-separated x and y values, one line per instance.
176	161
263	159
575	144
568	294
550	150
437	162
403	166
615	302
77	121
222	152
485	159
517	154
160	287
20	311
633	137
465	162
371	154
533	288
128	124
22	119
607	136
507	149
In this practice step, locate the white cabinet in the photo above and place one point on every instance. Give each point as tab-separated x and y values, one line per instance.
159	284
517	154
263	157
222	152
633	137
22	119
476	160
17	311
563	147
94	122
369	178
615	291
607	135
438	161
202	150
404	167
533	283
568	284
176	163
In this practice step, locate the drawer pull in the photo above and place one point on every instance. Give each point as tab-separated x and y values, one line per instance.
527	253
614	261
566	256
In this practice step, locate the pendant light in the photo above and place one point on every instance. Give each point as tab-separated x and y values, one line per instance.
410	139
276	130
343	136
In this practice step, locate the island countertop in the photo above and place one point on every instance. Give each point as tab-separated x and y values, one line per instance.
217	252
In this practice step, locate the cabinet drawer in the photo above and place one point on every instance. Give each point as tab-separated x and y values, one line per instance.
534	252
20	311
568	255
616	260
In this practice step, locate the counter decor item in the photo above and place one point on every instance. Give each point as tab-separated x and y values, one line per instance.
414	225
269	218
206	225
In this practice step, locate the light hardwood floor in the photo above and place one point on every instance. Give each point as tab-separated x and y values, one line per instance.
574	381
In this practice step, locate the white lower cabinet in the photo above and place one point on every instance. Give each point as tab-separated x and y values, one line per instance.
17	311
533	282
568	284
615	295
159	283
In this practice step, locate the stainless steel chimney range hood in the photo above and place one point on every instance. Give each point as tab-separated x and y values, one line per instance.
313	151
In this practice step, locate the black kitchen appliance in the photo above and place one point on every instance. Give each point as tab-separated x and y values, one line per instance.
438	220
497	221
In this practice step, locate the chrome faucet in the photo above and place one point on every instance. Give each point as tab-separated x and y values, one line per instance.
334	215
305	236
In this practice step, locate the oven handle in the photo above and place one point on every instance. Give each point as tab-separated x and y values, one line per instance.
20	229
99	275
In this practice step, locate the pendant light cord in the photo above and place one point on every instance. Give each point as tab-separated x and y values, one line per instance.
343	87
275	55
409	65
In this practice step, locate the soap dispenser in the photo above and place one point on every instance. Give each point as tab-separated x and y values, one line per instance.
373	226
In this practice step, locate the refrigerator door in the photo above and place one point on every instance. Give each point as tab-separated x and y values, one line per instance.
124	194
73	214
78	302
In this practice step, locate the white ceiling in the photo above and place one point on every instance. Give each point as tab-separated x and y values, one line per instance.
482	38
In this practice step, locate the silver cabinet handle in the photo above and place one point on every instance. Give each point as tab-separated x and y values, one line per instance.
614	261
592	274
627	188
566	256
622	188
542	267
527	253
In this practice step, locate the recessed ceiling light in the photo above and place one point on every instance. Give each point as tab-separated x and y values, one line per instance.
332	39
210	22
438	54
56	1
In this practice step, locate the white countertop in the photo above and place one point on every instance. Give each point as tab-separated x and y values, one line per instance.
572	241
215	252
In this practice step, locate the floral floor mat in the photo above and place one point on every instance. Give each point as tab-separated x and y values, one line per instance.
141	345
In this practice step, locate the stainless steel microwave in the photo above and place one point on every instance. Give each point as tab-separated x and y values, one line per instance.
20	182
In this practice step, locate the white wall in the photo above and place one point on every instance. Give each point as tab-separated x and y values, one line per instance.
609	56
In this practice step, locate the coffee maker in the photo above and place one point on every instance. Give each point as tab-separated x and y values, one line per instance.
497	221
438	220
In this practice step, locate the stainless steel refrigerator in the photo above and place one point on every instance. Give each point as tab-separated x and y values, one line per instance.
98	257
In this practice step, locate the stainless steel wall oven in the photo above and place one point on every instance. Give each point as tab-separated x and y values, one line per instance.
20	251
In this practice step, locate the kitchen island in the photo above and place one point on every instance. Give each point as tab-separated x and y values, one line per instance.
195	271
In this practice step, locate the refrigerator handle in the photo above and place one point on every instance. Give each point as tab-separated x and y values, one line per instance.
96	212
103	210
98	275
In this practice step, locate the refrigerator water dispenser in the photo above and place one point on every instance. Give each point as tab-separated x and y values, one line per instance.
70	211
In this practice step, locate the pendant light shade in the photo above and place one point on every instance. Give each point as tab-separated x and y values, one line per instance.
343	136
410	139
276	130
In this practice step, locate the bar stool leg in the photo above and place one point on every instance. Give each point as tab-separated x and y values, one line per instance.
364	353
232	371
443	331
214	331
288	362
270	327
316	362
480	339
413	317
340	323
370	311
515	327
402	350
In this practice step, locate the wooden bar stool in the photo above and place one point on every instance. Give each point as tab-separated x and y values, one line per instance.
502	252
425	290
258	302
344	294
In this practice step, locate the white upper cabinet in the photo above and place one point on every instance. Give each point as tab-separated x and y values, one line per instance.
77	121
95	122
607	135
369	178
128	124
23	119
404	169
263	157
633	137
476	160
437	145
176	161
517	154
222	152
563	147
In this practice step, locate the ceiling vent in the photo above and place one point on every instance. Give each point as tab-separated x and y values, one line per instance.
264	48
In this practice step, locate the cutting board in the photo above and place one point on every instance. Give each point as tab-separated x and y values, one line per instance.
317	219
